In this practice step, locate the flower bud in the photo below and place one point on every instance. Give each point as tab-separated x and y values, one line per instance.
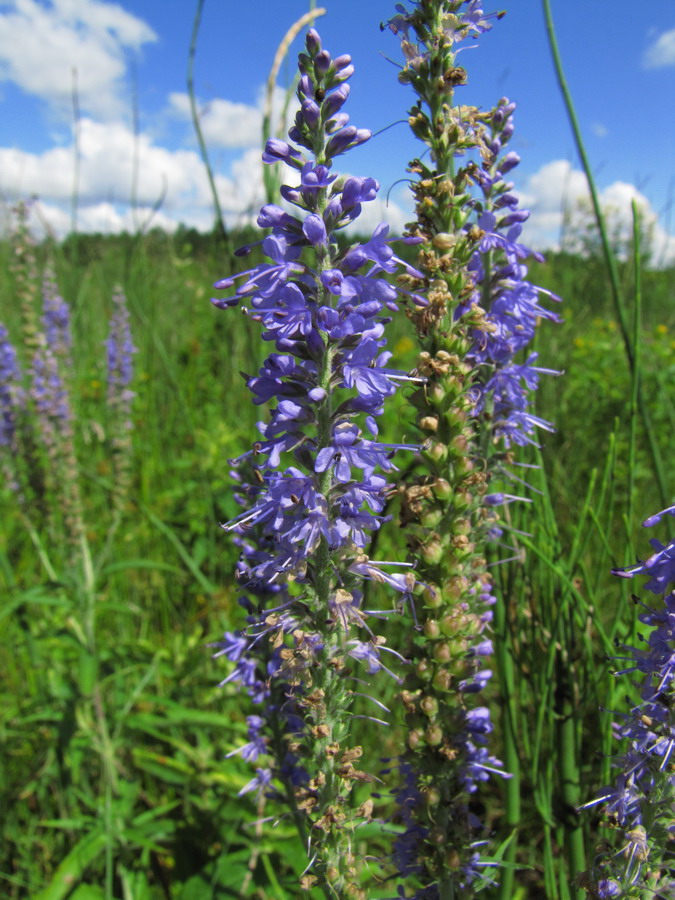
432	796
441	489
432	629
451	623
442	680
432	596
437	451
429	706
442	652
322	62
438	836
432	551
423	669
433	735
429	423
444	241
415	738
430	518
436	394
453	860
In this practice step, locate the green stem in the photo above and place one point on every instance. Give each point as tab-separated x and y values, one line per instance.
610	258
569	770
636	371
506	674
195	121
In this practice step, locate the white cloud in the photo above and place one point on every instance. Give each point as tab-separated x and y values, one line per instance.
661	52
107	153
558	198
226	124
223	123
41	44
97	217
176	179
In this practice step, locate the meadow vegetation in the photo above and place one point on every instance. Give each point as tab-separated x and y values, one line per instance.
113	776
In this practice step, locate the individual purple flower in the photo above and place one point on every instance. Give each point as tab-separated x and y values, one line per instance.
262	780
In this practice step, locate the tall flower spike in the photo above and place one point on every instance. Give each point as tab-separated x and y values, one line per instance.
55	421
24	269
640	801
11	401
120	350
480	314
9	389
56	320
312	487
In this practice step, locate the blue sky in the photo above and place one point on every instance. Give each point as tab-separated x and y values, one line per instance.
620	62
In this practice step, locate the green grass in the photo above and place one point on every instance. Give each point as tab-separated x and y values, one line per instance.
113	780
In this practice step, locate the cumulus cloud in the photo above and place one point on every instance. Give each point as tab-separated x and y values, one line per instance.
661	52
112	158
226	124
223	123
557	194
41	44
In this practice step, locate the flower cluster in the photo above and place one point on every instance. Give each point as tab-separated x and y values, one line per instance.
37	422
312	487
481	315
119	352
505	386
640	801
9	389
56	319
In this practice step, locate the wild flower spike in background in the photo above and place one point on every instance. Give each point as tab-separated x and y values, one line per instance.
640	801
56	319
54	419
316	494
475	405
119	353
10	406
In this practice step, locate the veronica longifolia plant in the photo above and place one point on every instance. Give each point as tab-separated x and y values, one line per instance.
474	407
640	801
312	487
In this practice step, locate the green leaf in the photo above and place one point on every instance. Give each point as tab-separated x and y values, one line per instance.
34	596
170	770
87	892
220	878
72	868
72	824
173	538
125	564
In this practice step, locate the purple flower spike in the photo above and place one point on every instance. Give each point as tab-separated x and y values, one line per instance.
645	770
312	490
10	389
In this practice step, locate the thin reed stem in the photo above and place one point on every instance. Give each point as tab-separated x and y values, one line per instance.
220	220
512	786
609	255
271	177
